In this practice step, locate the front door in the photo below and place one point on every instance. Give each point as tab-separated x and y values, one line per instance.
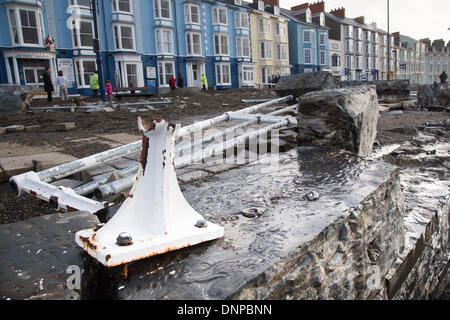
195	71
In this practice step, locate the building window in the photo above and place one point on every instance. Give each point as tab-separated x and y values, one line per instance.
81	3
85	69
26	27
281	29
164	41
307	36
166	69
83	36
162	9
122	6
322	57
193	43
221	44
132	78
308	56
261	5
335	60
282	49
264	25
241	20
322	39
238	2
219	15
348	62
192	13
124	37
243	46
223	74
265	74
265	49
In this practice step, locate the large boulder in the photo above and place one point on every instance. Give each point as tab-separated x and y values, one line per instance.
15	99
434	95
386	90
300	84
346	118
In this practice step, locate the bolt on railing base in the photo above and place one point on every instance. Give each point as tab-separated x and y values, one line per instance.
155	218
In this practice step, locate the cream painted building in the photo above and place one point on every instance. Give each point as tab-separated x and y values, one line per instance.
270	43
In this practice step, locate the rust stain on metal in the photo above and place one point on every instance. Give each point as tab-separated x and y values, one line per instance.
144	153
107	257
34	193
130	195
88	243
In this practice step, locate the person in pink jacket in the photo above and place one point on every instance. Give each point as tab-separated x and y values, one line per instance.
108	90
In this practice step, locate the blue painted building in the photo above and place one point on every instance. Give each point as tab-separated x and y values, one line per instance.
308	41
143	42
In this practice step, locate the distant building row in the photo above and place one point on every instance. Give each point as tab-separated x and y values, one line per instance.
235	43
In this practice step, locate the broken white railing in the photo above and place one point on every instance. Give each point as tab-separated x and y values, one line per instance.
155	218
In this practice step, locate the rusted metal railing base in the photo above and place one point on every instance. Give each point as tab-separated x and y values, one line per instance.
155	218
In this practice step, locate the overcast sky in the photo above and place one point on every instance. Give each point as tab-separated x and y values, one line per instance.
415	18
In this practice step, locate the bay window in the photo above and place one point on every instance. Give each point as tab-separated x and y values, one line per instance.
85	68
192	13
223	74
122	6
308	56
264	25
221	44
124	37
166	69
241	19
83	36
243	46
26	26
265	49
219	15
80	3
193	43
162	9
282	49
164	41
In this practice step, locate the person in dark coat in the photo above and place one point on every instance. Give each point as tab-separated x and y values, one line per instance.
443	77
48	85
180	81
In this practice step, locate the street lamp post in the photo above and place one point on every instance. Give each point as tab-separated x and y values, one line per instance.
98	51
389	44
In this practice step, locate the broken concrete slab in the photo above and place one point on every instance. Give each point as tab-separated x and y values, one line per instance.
344	118
66	126
3	176
16	165
15	99
15	128
300	84
192	176
2	130
8	149
37	253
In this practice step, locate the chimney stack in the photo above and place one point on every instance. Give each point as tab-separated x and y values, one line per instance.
317	7
339	12
360	20
300	7
270	2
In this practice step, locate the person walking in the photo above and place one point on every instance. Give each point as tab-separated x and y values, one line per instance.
93	82
48	85
180	81
61	81
108	90
443	77
173	83
204	83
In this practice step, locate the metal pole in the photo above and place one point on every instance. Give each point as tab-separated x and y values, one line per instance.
97	50
389	44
